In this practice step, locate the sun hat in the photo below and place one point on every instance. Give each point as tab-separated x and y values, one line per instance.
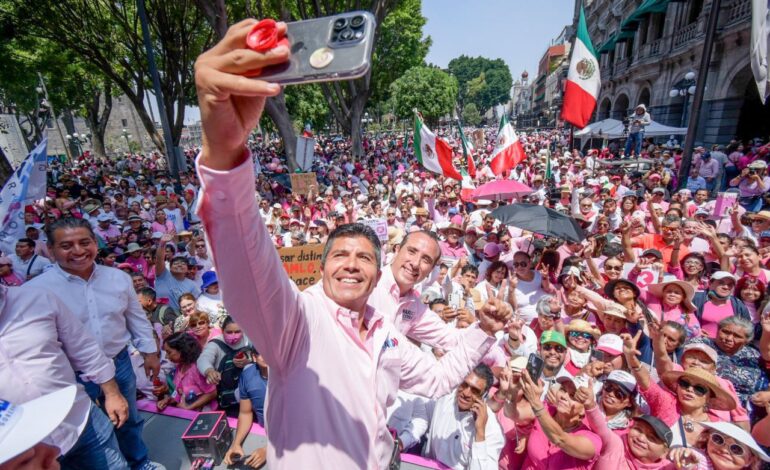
610	287
568	271
704	348
720	399
104	218
689	291
733	431
610	343
758	165
659	190
583	327
208	278
761	215
133	218
453	226
128	266
659	427
395	235
518	364
24	425
623	379
132	247
553	336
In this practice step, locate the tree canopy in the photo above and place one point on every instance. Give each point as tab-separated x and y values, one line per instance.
482	81
430	90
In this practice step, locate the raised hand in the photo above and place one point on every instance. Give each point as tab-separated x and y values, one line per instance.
494	315
630	343
586	395
532	391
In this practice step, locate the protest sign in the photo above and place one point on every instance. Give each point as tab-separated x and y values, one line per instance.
479	142
302	183
305	147
723	202
302	264
380	227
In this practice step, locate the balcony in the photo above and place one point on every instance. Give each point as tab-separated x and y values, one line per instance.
737	12
621	65
685	35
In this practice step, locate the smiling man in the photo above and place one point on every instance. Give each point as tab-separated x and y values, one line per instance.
336	363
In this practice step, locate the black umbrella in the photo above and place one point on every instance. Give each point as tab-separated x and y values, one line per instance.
540	219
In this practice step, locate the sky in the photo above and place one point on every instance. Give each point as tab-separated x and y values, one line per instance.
517	31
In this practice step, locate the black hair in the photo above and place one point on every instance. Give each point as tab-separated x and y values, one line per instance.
439	301
27	241
680	329
353	231
188	346
484	372
68	223
428	233
227	321
148	292
494	267
469	268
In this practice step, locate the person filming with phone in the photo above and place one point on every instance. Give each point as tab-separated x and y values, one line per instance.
637	121
335	362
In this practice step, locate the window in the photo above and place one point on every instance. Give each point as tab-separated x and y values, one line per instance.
124	122
695	8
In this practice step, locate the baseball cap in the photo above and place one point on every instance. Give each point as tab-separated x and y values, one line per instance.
104	218
704	348
719	275
491	250
659	190
624	379
765	234
653	252
610	343
553	336
24	425
659	427
128	266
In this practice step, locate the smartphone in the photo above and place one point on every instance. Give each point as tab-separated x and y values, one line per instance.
454	300
535	365
337	47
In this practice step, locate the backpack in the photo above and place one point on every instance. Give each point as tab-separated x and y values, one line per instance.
228	383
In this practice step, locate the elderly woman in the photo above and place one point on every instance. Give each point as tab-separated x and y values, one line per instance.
718	303
671	300
560	437
724	447
737	361
697	394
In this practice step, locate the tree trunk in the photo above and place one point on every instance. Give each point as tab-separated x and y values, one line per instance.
69	126
276	109
149	126
356	112
97	120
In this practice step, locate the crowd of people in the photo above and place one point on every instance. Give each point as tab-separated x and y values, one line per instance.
470	342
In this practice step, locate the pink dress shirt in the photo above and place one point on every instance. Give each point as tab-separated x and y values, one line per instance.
328	390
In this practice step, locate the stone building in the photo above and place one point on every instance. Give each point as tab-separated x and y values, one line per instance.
647	47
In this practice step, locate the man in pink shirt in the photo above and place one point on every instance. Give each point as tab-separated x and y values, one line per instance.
335	363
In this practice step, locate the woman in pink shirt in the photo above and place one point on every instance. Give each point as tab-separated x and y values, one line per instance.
671	300
560	438
162	224
190	389
7	276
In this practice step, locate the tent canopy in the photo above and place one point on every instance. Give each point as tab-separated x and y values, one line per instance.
613	129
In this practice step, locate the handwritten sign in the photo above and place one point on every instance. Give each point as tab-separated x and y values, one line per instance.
723	202
380	227
302	264
479	141
301	183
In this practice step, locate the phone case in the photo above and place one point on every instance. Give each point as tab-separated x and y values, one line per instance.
321	51
535	366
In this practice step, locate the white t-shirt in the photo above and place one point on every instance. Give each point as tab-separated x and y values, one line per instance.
527	295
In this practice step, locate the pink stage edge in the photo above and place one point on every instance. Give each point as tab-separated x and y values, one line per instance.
149	407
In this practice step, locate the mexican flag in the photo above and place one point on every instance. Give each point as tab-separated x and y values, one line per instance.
432	152
466	187
508	152
583	81
467	151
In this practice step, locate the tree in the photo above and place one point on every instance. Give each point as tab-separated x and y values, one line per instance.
471	115
107	36
426	89
482	81
306	105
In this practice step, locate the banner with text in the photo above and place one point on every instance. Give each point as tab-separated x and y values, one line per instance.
302	263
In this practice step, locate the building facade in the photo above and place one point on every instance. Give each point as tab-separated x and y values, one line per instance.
648	47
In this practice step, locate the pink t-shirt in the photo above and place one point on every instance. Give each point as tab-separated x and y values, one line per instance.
189	379
712	315
543	454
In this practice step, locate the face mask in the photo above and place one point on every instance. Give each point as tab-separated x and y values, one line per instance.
714	294
147	206
232	338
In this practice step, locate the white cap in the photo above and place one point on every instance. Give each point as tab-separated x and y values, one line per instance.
610	343
23	426
624	379
104	218
719	275
733	431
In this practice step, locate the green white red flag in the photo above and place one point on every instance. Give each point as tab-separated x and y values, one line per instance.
433	152
467	151
466	187
508	152
583	79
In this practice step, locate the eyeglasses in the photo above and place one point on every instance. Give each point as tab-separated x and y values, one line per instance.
616	390
612	268
693	262
735	449
200	246
556	347
580	334
699	390
522	264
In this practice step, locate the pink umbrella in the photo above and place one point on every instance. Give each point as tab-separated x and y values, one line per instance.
500	190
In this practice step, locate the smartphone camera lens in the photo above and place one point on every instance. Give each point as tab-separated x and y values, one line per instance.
358	34
357	21
340	24
346	35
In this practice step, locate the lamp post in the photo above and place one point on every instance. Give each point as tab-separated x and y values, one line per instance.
684	88
126	136
78	140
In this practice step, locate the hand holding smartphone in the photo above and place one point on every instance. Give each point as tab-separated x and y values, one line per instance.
535	366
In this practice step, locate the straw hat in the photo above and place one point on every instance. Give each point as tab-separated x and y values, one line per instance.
455	227
584	327
720	399
689	292
395	235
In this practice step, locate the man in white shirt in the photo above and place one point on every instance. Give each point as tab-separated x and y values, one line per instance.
408	419
27	264
43	347
464	433
103	299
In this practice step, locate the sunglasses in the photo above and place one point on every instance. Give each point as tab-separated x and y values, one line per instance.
699	390
613	268
556	347
735	449
580	334
616	390
523	264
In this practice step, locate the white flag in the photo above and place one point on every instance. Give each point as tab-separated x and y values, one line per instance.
26	185
760	30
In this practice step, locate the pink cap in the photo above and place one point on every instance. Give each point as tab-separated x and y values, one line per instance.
491	250
610	343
